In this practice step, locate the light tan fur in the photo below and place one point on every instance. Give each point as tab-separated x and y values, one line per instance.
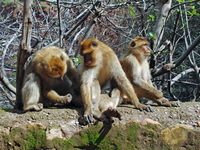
57	76
104	106
102	64
136	66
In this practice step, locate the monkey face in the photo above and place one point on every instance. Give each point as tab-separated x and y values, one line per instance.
89	48
56	68
140	46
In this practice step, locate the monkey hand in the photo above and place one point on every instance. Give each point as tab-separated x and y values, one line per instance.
111	112
88	116
144	107
66	99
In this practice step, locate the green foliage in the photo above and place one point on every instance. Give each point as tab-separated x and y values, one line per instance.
132	11
61	144
90	136
181	1
193	11
7	2
77	60
35	139
151	35
151	18
30	139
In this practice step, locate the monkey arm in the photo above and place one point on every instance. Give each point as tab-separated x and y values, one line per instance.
73	73
56	98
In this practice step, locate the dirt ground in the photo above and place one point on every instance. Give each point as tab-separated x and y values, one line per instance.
188	113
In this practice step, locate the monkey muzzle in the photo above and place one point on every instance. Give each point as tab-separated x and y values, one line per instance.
87	59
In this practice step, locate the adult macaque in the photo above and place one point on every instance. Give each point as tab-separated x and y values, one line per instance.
135	65
102	64
49	78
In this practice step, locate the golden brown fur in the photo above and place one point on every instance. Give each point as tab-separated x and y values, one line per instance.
136	66
102	64
56	76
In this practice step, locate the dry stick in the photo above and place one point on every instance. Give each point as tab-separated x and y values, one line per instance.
24	50
66	36
171	52
3	77
172	8
9	97
178	62
87	33
60	24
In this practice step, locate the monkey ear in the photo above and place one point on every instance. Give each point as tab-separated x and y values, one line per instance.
94	43
62	57
132	44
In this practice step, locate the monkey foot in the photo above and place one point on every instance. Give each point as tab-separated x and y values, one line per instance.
110	112
36	107
147	108
175	103
165	102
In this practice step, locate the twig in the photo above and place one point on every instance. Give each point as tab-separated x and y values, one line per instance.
60	24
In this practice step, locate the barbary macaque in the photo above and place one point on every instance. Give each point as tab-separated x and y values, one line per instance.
102	64
104	106
49	78
136	66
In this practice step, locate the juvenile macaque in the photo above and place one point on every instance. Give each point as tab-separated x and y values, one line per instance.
135	65
102	64
104	106
49	78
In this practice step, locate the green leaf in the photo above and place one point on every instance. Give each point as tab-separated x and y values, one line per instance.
132	11
151	17
181	1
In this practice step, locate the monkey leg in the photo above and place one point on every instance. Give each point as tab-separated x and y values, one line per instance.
95	95
127	88
56	98
153	94
31	93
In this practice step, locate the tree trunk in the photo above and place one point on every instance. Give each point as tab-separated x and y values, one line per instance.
24	51
164	8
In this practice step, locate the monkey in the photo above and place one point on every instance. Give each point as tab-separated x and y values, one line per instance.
102	64
104	106
50	78
136	66
104	103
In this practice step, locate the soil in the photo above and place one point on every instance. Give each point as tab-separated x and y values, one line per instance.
188	113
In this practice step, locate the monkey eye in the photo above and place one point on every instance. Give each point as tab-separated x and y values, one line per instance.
94	44
132	44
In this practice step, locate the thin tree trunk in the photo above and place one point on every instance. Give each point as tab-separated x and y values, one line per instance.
24	51
165	6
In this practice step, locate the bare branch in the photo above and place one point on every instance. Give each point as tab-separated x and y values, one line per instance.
178	62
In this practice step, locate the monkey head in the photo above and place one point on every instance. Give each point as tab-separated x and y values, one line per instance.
56	67
139	46
89	49
53	67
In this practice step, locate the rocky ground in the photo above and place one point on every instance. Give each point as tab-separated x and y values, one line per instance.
58	128
188	113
